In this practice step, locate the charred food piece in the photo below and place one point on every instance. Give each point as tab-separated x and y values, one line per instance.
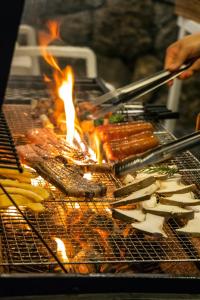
68	179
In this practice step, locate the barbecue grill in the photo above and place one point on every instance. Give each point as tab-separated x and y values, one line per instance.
101	256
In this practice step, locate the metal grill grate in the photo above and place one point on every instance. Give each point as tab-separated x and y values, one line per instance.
8	155
90	234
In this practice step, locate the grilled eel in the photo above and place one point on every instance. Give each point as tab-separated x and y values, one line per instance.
68	178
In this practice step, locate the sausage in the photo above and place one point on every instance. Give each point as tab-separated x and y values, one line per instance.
119	151
117	131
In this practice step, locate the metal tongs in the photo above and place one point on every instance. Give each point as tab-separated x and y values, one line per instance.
159	154
112	101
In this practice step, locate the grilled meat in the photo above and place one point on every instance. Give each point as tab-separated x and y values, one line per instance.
68	178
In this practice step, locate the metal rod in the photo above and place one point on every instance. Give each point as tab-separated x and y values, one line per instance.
34	230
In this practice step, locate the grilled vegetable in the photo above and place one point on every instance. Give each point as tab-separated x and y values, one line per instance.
129	215
168	210
192	227
136	185
116	118
177	189
152	224
10	172
29	194
140	195
20	201
180	199
13	183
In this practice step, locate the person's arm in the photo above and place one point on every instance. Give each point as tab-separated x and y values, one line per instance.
182	50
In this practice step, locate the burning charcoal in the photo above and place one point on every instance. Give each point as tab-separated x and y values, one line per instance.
87	255
102	221
180	268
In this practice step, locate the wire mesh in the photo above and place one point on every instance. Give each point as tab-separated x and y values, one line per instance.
90	234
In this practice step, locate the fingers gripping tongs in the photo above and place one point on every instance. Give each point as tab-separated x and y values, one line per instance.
159	154
111	101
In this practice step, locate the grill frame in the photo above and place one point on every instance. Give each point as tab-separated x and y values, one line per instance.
99	282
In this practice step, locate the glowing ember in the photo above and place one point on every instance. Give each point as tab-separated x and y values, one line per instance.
76	205
108	210
87	176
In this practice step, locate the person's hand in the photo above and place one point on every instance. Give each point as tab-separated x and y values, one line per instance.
182	50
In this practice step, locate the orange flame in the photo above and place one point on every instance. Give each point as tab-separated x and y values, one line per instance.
65	92
61	250
64	82
62	255
46	38
64	79
98	148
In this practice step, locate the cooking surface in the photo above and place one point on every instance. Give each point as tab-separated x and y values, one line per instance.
90	234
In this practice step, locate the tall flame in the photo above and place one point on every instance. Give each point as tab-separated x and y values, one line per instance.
65	92
64	79
64	82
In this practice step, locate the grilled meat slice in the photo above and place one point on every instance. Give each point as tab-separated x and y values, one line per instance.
68	178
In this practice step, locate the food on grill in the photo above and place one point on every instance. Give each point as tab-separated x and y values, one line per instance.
20	200
153	200
161	172
110	132
149	203
26	176
27	193
135	144
136	185
182	200
192	227
68	178
152	224
128	215
177	189
168	210
138	196
16	184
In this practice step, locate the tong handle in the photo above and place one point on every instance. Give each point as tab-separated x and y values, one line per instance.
135	90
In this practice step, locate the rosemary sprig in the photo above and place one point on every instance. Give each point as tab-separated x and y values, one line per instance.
163	169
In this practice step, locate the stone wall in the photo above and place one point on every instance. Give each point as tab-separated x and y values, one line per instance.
129	38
